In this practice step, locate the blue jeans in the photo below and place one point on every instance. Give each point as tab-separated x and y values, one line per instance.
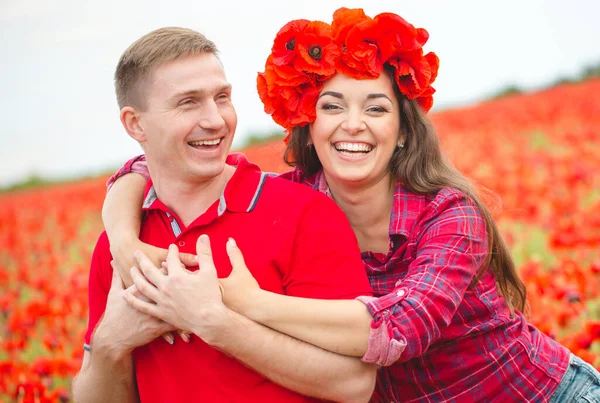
581	383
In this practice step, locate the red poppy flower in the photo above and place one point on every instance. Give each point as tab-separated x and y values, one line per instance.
414	71
317	50
361	57
288	105
284	46
398	35
425	100
344	19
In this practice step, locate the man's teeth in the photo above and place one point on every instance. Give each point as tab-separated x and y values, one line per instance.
362	147
205	143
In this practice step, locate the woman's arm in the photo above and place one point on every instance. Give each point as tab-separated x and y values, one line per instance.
122	217
340	326
398	325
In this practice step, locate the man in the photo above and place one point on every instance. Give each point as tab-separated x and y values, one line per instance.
176	102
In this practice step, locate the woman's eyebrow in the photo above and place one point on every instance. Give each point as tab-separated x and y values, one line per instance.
374	96
332	93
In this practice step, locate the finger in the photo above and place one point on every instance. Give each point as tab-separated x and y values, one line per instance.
151	272
184	336
235	255
188	259
116	283
174	265
142	306
143	286
205	259
169	338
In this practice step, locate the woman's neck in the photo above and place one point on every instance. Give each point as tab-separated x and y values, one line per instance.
368	208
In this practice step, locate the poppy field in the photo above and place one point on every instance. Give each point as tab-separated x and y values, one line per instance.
534	157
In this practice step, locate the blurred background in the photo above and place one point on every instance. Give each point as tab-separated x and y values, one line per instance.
59	113
517	109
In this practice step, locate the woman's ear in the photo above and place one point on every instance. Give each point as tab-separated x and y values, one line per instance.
130	119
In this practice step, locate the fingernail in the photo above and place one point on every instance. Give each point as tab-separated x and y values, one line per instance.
196	258
170	339
204	239
137	254
185	337
231	242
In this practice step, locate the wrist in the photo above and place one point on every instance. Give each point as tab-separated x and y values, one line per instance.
109	351
256	308
217	328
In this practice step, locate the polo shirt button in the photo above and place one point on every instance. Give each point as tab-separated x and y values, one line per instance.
401	293
181	243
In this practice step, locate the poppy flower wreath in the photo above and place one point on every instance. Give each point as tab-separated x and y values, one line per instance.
306	53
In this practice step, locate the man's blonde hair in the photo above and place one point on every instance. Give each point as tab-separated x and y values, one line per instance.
148	52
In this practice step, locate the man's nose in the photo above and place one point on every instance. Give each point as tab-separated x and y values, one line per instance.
211	118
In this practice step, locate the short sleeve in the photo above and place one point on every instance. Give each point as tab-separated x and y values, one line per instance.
135	165
99	284
326	261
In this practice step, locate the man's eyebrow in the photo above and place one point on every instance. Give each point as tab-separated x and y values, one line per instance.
375	96
332	93
224	87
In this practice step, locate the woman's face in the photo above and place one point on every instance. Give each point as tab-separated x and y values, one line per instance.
356	129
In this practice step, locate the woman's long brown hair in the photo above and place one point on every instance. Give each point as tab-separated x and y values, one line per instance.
423	169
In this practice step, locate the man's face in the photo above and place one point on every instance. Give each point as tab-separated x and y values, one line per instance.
189	121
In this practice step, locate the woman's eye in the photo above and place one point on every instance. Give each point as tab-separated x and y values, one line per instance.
377	109
328	107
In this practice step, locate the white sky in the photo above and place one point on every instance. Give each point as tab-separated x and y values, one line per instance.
58	110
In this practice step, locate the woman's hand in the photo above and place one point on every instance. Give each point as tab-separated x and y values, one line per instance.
240	289
124	259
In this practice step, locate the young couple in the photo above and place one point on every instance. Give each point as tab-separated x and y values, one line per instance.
282	307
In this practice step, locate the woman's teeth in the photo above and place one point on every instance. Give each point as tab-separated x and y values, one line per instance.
353	147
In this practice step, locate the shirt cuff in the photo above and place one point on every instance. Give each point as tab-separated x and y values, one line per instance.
382	349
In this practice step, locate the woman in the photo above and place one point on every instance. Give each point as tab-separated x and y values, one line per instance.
446	323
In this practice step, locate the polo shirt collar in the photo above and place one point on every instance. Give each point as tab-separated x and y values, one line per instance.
240	195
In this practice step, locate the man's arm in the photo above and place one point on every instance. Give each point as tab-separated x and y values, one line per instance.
105	377
106	373
292	363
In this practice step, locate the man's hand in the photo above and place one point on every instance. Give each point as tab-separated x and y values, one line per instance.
123	328
123	255
190	301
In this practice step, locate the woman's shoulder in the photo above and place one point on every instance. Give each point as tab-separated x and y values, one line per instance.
412	211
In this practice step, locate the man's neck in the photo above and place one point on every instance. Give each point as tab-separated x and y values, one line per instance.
190	199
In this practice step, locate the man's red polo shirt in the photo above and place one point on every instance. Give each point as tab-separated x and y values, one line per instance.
295	241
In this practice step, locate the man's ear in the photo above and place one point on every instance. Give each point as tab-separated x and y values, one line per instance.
130	119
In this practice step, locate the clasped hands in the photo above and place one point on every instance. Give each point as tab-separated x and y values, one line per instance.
192	301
